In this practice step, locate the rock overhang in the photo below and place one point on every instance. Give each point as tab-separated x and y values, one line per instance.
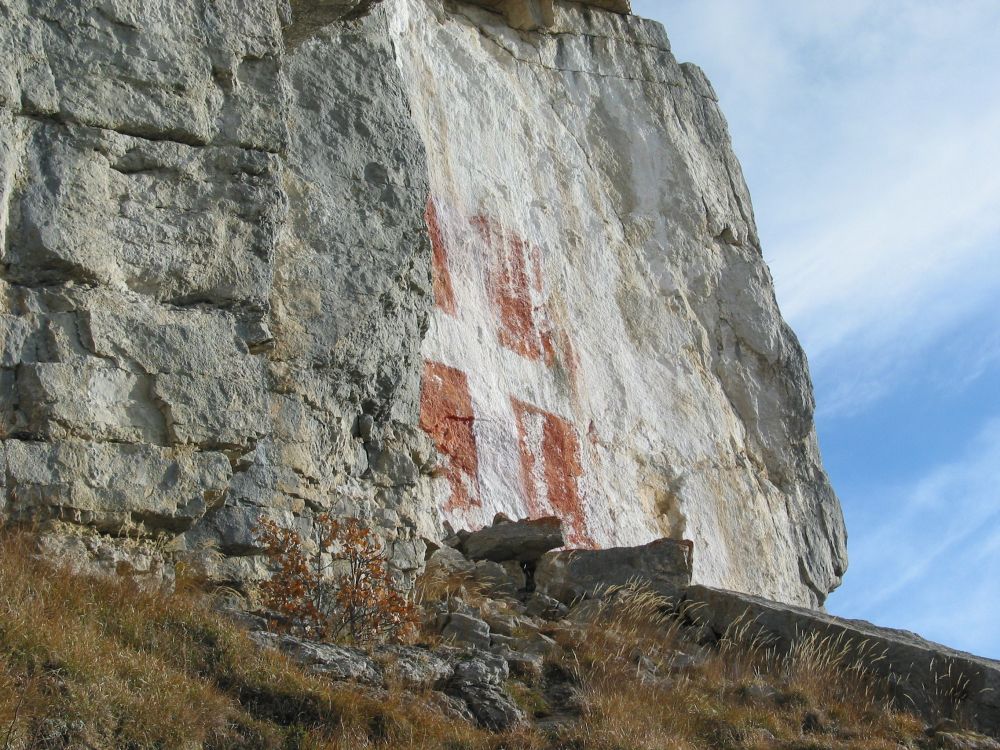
305	18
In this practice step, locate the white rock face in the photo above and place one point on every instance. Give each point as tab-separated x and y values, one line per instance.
605	344
392	259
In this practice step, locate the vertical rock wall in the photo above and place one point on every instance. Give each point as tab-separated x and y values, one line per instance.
213	282
393	259
605	343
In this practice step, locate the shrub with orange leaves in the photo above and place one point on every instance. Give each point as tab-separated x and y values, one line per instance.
307	595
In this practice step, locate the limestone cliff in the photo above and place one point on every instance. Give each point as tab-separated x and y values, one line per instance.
413	260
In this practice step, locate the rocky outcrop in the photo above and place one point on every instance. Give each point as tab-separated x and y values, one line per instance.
524	541
479	681
342	663
224	292
931	678
490	645
664	566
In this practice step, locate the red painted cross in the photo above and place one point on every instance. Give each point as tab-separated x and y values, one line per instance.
492	351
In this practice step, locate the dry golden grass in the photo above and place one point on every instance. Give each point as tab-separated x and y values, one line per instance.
738	695
103	664
439	584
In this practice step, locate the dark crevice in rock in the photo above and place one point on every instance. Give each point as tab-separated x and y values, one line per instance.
138	131
603	37
153	135
162	522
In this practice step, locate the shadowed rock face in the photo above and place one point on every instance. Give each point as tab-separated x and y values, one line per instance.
399	260
306	18
523	541
530	15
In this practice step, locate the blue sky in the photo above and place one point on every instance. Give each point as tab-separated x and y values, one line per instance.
869	134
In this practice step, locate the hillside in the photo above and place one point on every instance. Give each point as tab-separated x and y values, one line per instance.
285	278
99	663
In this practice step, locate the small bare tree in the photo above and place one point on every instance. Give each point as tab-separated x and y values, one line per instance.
307	595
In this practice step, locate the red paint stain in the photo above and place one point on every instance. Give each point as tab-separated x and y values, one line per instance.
536	264
444	293
446	415
571	364
560	469
514	280
509	284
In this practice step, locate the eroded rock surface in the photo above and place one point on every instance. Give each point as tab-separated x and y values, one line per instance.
409	260
215	265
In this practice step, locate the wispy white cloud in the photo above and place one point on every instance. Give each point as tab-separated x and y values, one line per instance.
968	359
868	132
932	563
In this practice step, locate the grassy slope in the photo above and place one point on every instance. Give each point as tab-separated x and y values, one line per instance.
101	664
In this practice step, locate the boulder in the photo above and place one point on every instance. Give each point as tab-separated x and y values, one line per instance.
544	606
478	680
524	541
496	579
527	666
467	629
918	669
453	707
516	574
481	668
500	642
337	662
535	643
491	706
446	562
664	566
413	666
503	623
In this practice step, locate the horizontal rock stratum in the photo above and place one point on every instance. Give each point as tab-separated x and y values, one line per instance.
399	260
